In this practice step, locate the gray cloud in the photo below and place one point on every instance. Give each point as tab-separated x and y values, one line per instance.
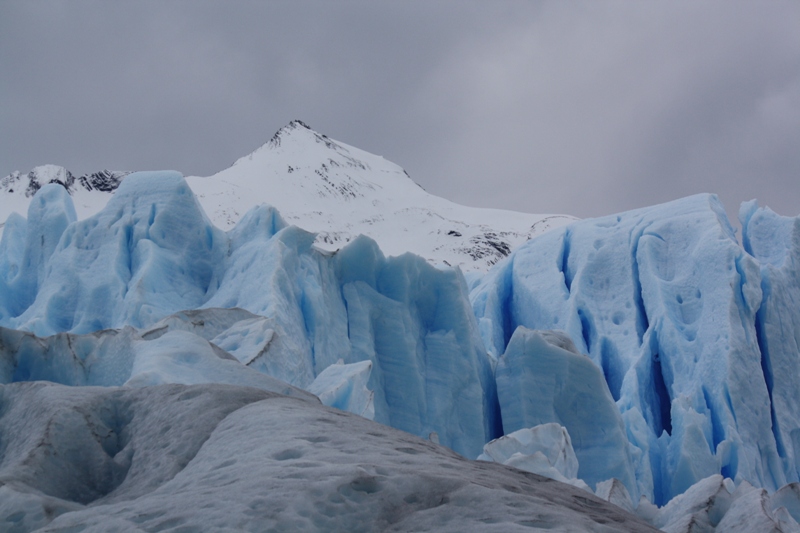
581	108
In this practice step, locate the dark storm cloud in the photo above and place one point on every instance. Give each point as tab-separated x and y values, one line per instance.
583	108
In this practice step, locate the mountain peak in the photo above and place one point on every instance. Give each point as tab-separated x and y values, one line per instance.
297	132
288	129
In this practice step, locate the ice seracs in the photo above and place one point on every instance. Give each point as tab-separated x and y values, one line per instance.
774	241
345	387
681	326
545	450
539	382
129	357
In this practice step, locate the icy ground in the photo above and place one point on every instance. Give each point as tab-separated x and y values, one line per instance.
224	458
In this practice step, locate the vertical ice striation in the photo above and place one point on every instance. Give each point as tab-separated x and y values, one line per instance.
28	245
774	241
149	253
539	382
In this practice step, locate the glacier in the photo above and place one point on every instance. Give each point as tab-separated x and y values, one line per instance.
664	349
545	449
539	382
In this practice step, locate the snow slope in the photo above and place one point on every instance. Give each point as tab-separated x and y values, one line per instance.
325	187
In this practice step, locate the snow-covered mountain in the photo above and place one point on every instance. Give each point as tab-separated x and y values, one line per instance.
90	192
339	192
326	187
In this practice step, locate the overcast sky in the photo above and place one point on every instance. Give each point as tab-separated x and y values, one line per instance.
586	108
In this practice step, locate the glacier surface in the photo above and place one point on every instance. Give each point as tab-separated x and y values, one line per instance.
229	458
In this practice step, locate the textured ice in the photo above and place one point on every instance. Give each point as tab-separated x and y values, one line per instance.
242	334
125	357
223	458
545	450
787	497
714	504
28	245
701	507
551	440
677	315
151	252
614	491
775	242
541	383
691	339
750	512
345	387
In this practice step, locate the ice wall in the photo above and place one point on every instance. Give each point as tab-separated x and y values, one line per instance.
539	382
26	250
774	241
151	252
676	314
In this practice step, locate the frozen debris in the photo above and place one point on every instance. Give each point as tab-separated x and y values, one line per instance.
345	387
